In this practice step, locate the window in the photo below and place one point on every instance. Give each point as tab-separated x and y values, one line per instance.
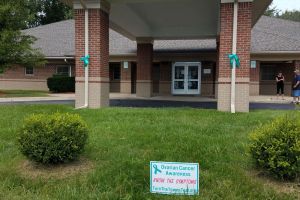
63	70
268	73
115	71
28	71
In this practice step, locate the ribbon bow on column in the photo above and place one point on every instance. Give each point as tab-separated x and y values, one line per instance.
234	58
86	60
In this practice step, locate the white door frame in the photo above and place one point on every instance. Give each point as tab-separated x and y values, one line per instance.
186	91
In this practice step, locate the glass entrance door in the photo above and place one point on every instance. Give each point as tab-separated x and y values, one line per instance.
186	78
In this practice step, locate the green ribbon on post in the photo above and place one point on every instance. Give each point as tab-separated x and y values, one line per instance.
85	60
234	58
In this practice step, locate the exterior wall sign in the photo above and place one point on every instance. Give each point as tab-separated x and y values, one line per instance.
174	178
207	71
125	65
253	64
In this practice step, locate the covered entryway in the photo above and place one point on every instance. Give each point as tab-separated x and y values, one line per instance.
228	21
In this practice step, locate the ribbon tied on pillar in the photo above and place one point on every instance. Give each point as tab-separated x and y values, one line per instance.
85	60
234	58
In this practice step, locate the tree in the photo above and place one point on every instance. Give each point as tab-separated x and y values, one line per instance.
272	11
291	15
48	11
15	47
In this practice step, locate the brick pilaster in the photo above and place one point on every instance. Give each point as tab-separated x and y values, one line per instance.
99	57
254	80
243	51
144	69
125	86
165	78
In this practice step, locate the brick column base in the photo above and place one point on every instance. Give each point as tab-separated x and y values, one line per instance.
144	88
242	95
98	92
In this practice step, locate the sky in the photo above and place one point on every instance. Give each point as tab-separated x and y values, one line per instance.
287	4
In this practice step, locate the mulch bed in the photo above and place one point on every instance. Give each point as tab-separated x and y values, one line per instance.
31	170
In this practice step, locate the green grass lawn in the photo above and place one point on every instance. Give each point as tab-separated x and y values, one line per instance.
22	93
123	141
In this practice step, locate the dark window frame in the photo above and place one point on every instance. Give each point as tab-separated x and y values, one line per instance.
115	70
268	72
63	73
29	71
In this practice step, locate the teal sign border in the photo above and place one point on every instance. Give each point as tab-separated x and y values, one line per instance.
155	162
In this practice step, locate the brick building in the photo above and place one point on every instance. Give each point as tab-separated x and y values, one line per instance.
134	47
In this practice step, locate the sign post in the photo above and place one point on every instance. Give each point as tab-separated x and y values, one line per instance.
174	178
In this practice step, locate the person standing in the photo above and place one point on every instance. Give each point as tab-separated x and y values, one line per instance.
280	85
296	87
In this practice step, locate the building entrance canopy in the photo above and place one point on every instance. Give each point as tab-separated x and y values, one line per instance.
166	19
229	21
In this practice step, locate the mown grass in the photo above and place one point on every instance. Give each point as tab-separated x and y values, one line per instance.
123	141
22	93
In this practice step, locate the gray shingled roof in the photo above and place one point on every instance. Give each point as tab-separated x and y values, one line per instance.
272	34
269	34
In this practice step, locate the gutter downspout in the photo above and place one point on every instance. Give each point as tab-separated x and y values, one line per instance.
234	49
86	68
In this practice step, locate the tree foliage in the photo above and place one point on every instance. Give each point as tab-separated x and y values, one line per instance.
272	11
48	11
291	15
16	48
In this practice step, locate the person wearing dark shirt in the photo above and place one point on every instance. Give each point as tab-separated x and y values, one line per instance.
296	87
280	85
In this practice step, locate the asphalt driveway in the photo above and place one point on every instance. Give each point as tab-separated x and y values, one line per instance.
137	103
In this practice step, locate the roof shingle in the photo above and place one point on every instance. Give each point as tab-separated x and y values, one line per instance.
268	35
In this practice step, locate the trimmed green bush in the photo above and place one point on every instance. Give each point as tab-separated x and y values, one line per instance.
52	139
276	147
61	84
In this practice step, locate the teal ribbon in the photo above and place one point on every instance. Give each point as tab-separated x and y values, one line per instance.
234	58
85	60
156	169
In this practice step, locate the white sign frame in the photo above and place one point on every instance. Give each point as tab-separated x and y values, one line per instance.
253	64
163	180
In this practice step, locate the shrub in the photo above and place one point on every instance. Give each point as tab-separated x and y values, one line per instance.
51	139
61	84
276	147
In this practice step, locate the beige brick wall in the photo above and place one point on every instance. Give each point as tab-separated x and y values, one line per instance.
98	92
242	97
254	88
144	88
115	86
125	87
23	84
